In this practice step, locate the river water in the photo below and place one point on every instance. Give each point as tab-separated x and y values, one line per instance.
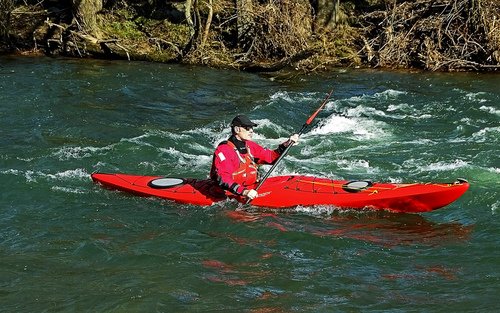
67	245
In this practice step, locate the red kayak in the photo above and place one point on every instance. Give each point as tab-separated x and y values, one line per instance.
292	191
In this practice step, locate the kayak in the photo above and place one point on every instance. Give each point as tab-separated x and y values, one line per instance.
296	190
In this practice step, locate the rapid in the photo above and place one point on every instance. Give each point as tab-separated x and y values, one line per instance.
68	245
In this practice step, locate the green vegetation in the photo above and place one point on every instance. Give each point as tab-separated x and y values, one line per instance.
264	35
122	29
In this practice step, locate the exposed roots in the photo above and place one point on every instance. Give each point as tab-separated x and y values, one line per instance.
435	35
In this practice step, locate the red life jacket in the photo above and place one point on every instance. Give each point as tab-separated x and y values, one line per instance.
247	173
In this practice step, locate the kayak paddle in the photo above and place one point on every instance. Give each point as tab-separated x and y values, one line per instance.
306	124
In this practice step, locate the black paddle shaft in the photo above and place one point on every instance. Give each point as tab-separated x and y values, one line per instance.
301	131
279	159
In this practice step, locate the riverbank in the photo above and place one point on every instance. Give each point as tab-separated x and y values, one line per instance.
445	35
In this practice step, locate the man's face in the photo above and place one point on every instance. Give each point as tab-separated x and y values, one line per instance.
244	132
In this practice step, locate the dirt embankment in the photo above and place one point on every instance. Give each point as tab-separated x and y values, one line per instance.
265	35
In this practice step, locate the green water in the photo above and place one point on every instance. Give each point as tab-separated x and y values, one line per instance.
67	245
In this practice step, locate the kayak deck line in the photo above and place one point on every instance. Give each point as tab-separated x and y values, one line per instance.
396	185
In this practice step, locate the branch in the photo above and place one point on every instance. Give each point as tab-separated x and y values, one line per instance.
276	66
207	25
171	44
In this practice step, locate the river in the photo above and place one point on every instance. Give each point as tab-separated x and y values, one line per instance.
68	245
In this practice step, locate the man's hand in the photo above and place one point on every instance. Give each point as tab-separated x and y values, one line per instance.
293	140
250	193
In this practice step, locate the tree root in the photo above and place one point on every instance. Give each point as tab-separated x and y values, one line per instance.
82	42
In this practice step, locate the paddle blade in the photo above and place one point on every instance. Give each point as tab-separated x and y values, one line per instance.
313	116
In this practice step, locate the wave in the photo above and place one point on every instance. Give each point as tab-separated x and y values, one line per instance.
192	149
11	172
389	94
357	166
445	166
495	208
67	153
494	170
344	117
360	128
33	176
182	159
69	190
491	110
281	95
476	97
268	125
403	107
488	134
293	98
436	166
155	134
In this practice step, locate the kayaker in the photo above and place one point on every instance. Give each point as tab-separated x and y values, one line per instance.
235	161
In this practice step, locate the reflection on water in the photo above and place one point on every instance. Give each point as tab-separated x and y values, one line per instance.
383	228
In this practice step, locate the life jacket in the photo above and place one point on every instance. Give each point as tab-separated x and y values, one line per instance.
246	173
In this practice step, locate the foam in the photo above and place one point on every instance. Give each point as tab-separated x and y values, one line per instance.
395	180
138	140
495	207
421	141
25	159
67	153
356	119
494	170
357	166
445	166
183	159
491	110
284	95
483	134
317	211
404	107
208	135
269	124
423	117
79	173
165	134
153	166
361	110
142	139
281	95
72	174
361	128
10	172
200	148
390	93
384	95
475	97
315	160
68	190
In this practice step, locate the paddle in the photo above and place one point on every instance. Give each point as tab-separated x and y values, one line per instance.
306	124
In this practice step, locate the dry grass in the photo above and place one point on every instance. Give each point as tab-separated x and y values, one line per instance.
435	35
